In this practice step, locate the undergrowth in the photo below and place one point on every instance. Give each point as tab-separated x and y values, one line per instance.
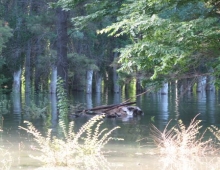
80	150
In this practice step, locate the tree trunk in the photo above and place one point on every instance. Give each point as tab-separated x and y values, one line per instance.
210	81
17	81
139	88
98	79
115	78
89	81
53	83
164	88
27	68
54	115
89	104
16	98
201	83
62	37
37	70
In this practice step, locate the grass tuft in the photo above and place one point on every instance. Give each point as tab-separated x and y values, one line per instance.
182	141
81	149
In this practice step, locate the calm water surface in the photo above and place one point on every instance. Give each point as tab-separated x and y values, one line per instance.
137	150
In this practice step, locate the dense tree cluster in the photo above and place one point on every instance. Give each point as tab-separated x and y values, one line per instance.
87	41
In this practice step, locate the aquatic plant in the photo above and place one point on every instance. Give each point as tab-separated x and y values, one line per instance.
81	149
35	111
181	141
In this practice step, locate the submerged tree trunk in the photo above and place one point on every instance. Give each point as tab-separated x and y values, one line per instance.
139	87
17	81
62	37
201	83
89	81
210	81
53	83
54	115
164	88
98	79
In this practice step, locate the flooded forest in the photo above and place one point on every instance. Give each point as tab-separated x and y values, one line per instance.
88	84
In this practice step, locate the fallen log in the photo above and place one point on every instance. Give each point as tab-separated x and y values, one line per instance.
115	110
106	107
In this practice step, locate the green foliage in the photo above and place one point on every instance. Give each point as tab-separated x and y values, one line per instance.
81	62
5	80
97	11
78	65
5	34
37	111
166	35
62	103
4	109
79	150
66	4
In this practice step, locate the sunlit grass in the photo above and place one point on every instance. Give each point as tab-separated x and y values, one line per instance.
184	141
81	149
185	147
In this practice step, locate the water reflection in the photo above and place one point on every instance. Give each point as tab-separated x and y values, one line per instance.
98	99
130	154
116	98
16	98
89	101
54	114
211	106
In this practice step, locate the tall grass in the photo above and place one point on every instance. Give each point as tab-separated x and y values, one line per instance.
79	150
182	141
184	147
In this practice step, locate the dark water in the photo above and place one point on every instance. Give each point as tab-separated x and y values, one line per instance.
137	150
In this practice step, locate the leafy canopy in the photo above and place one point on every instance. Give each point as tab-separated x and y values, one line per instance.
167	36
169	39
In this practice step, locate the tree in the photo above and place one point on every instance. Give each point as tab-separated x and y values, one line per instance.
169	38
62	39
99	48
5	33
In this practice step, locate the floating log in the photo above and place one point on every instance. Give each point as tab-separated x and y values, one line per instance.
106	107
115	110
